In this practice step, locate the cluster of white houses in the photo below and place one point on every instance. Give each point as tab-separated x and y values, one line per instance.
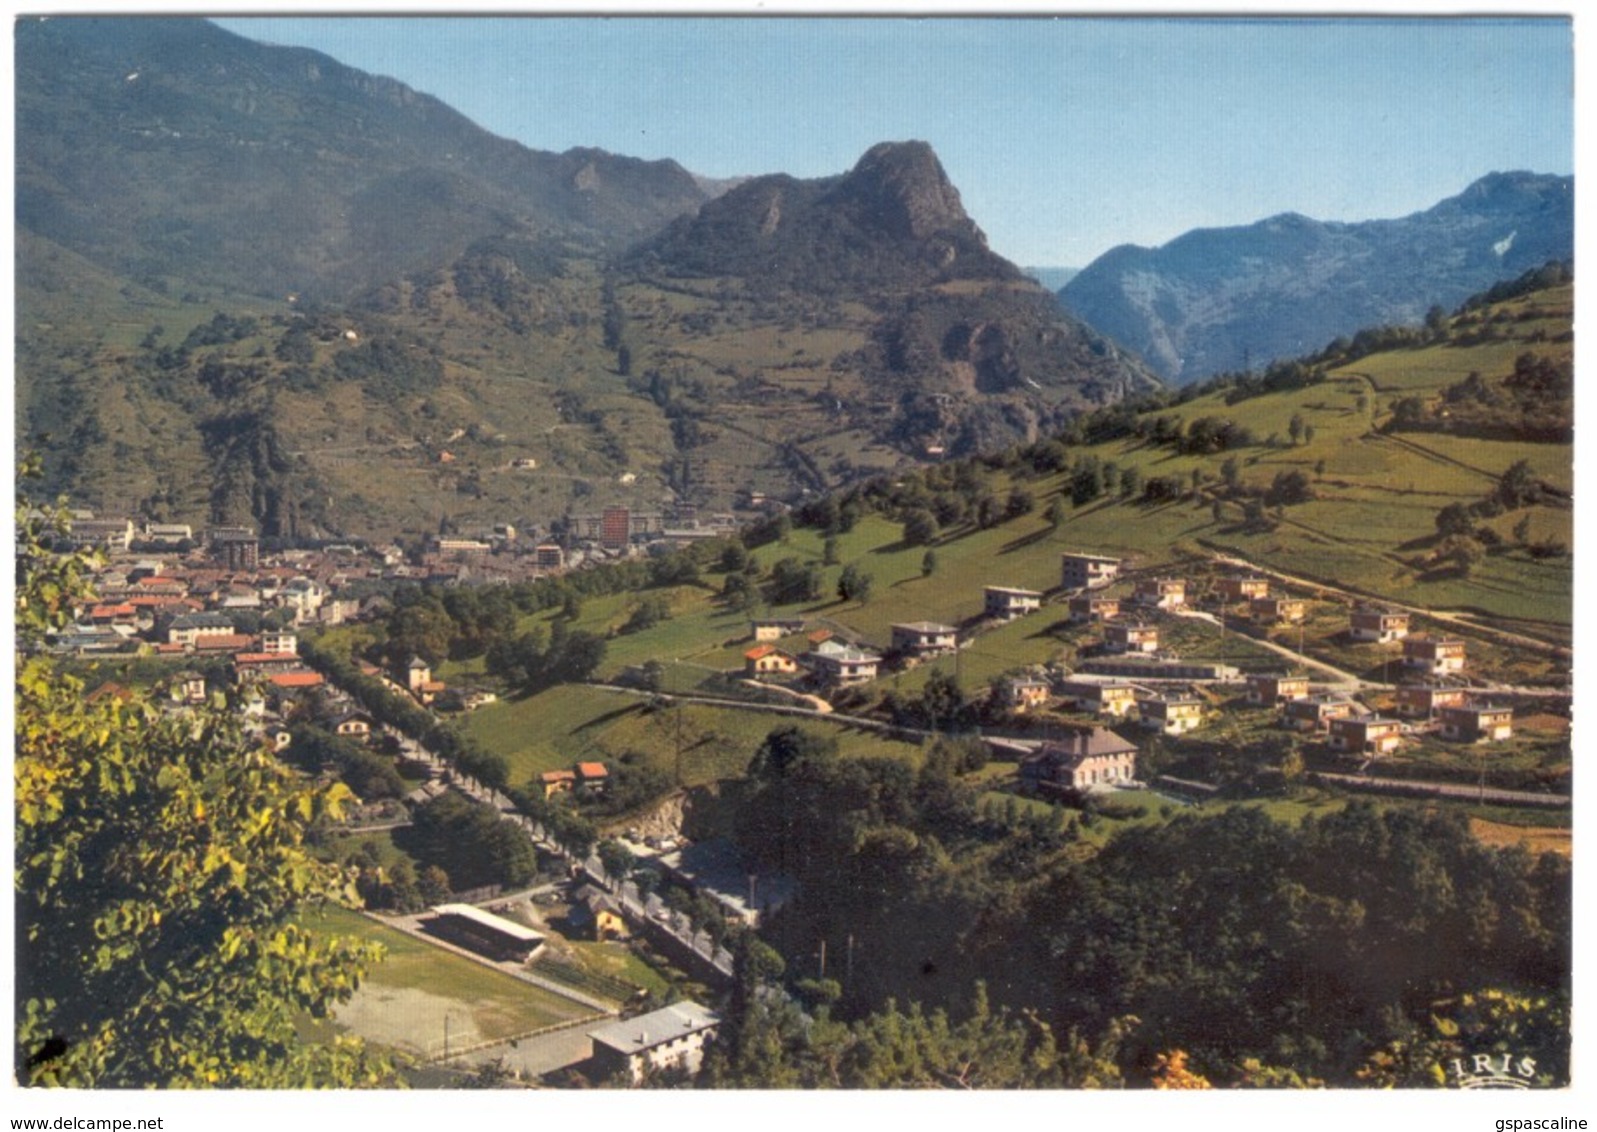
1349	727
833	662
1115	681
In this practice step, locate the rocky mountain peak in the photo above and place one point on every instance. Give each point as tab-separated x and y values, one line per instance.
901	187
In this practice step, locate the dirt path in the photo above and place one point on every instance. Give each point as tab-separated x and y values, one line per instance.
1343	677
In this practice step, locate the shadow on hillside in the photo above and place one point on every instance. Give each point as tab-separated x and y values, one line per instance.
1024	541
607	718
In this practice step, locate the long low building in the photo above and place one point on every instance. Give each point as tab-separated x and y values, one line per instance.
484	932
1148	668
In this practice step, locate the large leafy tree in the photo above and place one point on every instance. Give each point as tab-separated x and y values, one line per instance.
163	886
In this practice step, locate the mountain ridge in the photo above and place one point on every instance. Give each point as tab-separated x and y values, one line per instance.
169	146
1221	299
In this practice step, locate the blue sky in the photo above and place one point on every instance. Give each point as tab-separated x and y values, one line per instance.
1065	136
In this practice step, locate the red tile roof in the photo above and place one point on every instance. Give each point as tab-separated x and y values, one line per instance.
296	679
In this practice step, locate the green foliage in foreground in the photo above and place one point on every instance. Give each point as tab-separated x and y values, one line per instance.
159	862
1321	949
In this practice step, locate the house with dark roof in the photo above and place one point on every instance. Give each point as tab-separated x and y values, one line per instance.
1161	593
1086	607
1129	636
1171	715
597	914
1316	713
1422	701
1269	688
1084	760
1435	656
1236	587
1278	610
1478	723
1381	625
1366	735
775	628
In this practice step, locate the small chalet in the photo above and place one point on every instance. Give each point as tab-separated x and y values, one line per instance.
842	665
1006	602
1270	690
1085	760
1423	701
924	638
1023	693
1478	723
1368	735
1316	713
353	725
419	679
1385	626
1436	656
1125	636
188	688
775	628
1085	608
1173	715
1104	699
1239	588
1161	593
1087	571
596	913
1278	610
593	777
762	662
557	782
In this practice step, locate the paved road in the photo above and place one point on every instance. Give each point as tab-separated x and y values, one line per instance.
533	1057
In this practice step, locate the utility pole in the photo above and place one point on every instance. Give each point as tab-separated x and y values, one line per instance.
848	962
679	743
823	959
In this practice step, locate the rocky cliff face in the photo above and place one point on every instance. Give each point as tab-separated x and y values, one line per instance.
894	220
1215	300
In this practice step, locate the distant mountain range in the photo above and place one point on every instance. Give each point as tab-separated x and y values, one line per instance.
1225	299
1053	277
